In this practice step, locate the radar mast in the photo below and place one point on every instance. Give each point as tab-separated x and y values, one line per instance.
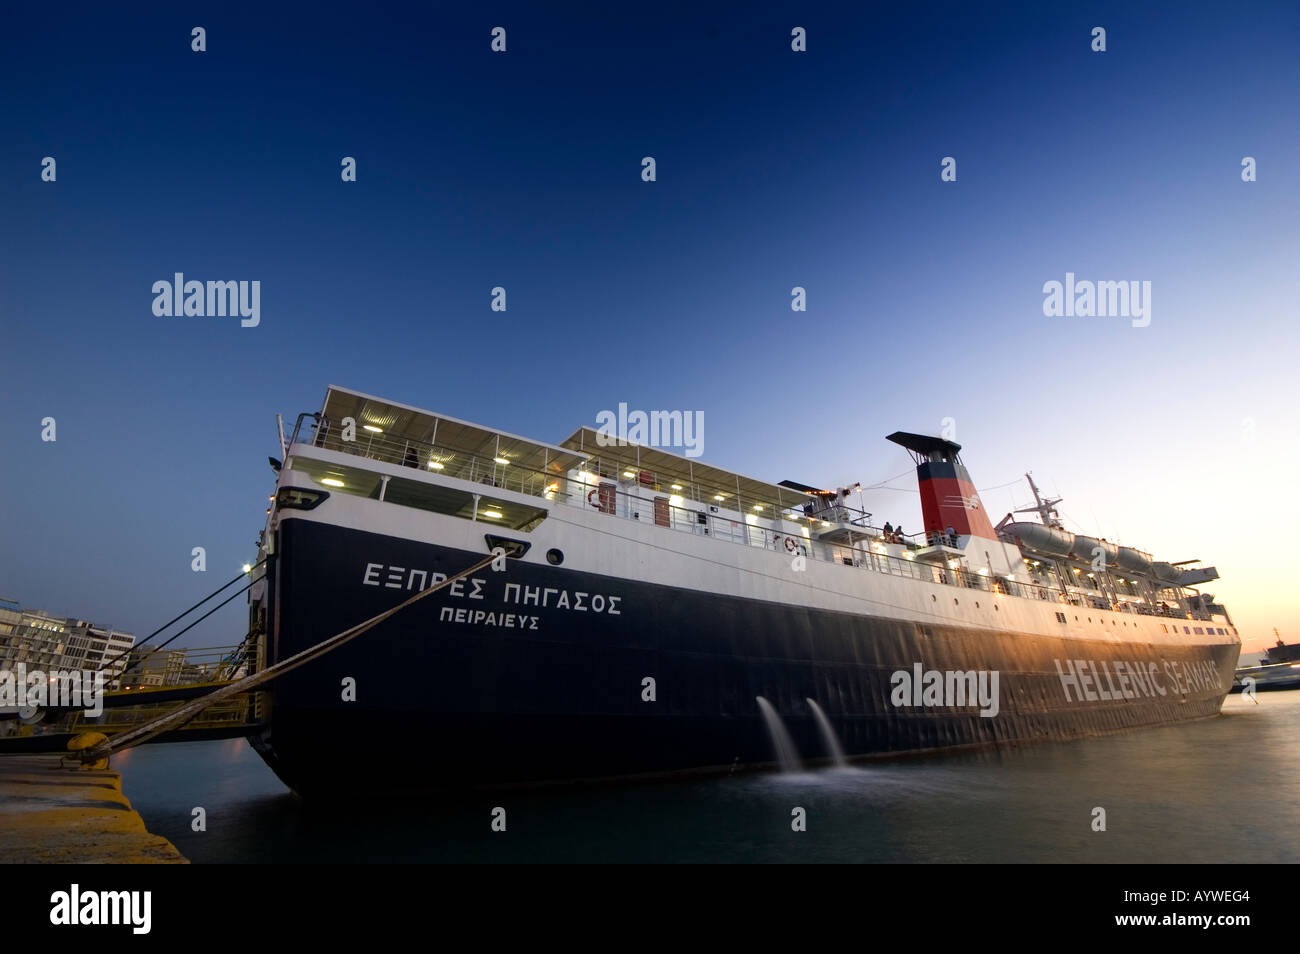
1045	508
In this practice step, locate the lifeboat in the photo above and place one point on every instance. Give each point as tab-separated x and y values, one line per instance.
1086	549
1055	542
1134	560
1041	539
1166	572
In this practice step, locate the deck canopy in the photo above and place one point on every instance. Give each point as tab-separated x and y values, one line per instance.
403	434
685	476
923	447
407	435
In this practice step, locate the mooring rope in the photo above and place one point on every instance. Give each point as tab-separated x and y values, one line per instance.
178	717
153	649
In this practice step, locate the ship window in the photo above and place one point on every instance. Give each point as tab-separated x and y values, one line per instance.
1164	628
1060	617
977	604
436	498
1187	631
342	479
1200	631
933	598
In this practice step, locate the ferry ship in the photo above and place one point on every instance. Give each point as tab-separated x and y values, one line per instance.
656	605
1279	668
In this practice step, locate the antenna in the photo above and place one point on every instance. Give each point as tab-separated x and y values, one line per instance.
1046	509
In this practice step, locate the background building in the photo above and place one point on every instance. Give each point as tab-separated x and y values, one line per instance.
150	666
41	640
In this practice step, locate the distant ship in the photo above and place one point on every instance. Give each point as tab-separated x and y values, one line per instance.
1280	653
666	612
1279	668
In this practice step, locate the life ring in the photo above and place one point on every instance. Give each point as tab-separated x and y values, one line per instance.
590	495
790	545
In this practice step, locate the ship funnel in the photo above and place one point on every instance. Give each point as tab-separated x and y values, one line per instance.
948	498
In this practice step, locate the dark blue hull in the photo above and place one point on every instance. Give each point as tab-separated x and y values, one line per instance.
446	698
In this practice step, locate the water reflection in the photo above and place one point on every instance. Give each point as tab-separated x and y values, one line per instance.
1225	789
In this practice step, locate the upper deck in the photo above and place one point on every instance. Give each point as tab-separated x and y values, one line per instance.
405	435
632	481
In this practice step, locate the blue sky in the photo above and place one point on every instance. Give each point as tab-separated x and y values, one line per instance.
775	169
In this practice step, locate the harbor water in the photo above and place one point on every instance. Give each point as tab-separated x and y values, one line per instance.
1218	790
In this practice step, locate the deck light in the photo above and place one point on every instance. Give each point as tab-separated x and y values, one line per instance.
494	514
677	486
500	460
435	465
331	482
372	429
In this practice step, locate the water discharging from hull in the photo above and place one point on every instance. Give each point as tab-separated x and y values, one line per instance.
828	736
786	754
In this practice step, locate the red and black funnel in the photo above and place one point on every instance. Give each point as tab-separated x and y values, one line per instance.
948	497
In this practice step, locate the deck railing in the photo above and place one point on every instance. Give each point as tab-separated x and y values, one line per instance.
760	528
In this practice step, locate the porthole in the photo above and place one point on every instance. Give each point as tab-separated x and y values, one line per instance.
933	598
977	604
554	557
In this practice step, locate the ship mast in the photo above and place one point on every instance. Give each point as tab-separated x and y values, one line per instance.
1045	508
